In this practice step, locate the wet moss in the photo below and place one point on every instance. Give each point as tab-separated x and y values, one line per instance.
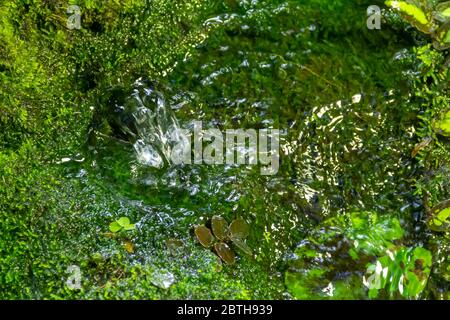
286	60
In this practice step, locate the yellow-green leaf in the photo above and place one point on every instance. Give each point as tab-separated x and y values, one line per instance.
123	221
114	227
442	12
439	216
239	229
442	125
415	15
129	246
219	227
204	235
225	252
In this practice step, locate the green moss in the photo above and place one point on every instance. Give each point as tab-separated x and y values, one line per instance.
54	88
327	264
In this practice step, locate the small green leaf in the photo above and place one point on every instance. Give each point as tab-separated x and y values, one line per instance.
225	252
414	15
124	222
239	229
129	246
204	236
114	227
439	216
442	42
219	227
242	246
442	125
129	227
442	12
446	13
405	271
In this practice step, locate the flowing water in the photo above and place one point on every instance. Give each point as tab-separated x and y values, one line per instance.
311	70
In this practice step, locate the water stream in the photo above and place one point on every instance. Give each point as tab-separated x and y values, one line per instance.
345	145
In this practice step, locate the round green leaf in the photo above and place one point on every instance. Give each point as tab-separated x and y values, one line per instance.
239	229
442	125
204	235
219	227
242	246
129	227
439	216
225	252
114	227
124	221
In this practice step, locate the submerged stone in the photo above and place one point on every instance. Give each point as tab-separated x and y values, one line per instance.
163	279
174	245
